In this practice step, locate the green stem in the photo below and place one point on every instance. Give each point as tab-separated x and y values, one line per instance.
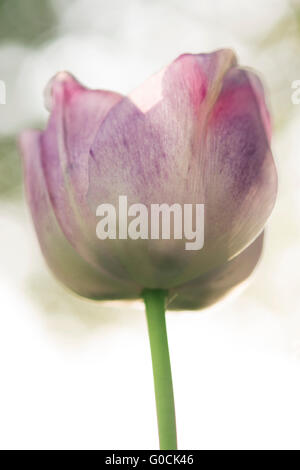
165	408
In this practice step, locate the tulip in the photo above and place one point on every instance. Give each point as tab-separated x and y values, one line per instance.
198	132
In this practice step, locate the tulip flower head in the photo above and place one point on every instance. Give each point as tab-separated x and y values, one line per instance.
197	133
167	189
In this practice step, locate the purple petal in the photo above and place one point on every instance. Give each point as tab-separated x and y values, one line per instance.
213	286
67	265
240	175
197	132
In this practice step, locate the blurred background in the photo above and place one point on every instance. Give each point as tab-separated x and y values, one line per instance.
77	374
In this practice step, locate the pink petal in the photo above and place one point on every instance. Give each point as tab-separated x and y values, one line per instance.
76	114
